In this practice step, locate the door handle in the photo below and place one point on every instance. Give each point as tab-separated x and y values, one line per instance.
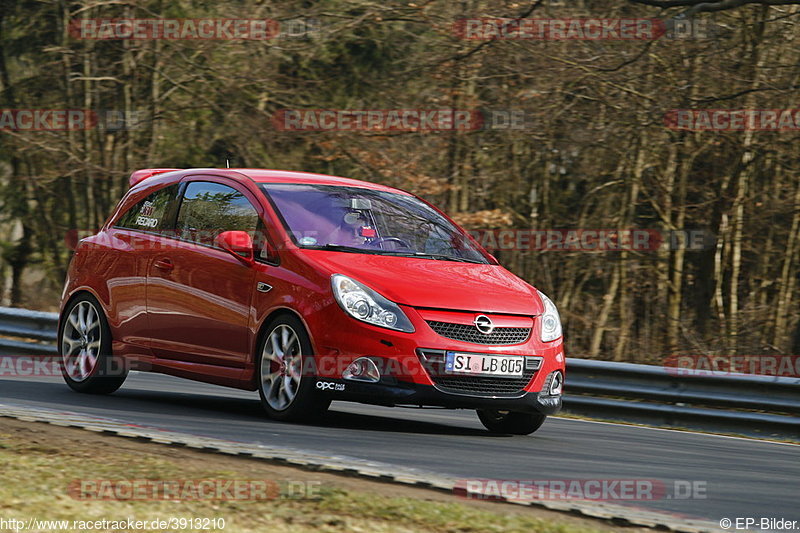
163	264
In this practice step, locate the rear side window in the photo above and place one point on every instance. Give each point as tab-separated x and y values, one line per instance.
208	209
154	213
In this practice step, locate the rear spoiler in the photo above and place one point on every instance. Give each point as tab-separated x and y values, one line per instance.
141	175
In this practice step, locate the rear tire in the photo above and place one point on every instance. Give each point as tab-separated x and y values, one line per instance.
286	381
84	344
509	422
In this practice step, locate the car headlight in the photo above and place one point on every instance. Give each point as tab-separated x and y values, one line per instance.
363	303
551	322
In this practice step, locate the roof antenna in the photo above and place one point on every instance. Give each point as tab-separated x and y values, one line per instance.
227	163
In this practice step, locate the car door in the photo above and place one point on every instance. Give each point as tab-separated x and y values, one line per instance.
199	296
134	237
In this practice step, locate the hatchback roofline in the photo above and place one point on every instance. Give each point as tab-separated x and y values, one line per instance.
258	175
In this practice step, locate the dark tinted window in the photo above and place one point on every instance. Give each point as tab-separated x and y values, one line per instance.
208	209
153	213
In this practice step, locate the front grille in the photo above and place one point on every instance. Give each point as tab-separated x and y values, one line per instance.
434	363
469	333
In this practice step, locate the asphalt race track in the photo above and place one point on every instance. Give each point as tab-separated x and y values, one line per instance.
744	478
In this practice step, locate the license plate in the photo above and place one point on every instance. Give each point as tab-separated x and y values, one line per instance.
485	365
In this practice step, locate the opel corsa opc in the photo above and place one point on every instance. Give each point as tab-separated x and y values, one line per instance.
307	288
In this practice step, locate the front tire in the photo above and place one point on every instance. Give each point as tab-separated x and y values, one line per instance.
286	381
509	422
84	344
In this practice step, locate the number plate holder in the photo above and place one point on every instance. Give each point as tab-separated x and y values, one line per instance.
478	364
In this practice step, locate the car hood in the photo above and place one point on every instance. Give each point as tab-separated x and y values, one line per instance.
434	283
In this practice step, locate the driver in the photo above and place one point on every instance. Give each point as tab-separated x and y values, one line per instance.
351	228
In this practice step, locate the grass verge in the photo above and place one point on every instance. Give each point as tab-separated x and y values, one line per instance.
39	462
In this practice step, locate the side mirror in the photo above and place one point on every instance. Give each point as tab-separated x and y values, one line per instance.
237	243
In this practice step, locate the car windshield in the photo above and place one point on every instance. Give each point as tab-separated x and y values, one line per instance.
358	220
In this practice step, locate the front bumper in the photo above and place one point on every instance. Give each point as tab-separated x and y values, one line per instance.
411	369
390	392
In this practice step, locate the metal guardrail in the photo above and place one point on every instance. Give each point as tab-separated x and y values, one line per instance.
32	332
753	405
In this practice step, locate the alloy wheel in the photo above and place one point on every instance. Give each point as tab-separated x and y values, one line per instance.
80	341
281	367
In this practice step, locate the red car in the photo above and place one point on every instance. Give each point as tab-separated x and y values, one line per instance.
307	288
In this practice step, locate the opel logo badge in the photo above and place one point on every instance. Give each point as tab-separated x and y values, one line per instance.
484	324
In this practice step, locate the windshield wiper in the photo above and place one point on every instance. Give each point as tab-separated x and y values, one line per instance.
446	257
379	251
442	257
342	248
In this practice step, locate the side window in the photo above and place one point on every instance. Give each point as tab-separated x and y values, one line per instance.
151	214
208	209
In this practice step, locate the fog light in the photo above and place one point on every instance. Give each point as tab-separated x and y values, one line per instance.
557	383
362	369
